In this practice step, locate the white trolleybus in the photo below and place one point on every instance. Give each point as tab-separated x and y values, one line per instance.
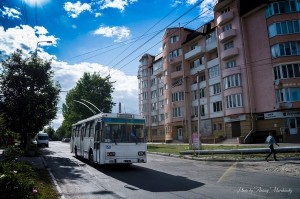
110	138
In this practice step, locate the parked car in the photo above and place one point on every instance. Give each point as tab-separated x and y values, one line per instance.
65	140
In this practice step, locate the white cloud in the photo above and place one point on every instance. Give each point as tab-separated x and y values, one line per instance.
75	9
206	9
26	38
191	2
119	32
118	4
10	13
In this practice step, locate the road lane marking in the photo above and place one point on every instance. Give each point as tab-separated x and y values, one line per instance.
227	172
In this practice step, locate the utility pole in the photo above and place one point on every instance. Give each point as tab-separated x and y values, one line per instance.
37	45
199	109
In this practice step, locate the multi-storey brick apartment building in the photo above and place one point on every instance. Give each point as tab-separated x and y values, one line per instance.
236	76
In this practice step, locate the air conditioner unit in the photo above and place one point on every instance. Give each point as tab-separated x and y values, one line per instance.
277	106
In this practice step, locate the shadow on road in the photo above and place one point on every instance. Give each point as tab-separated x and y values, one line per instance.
138	177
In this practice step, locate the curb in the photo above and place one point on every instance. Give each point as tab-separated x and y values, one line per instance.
53	179
212	159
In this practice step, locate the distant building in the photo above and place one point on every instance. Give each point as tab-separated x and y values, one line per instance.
236	76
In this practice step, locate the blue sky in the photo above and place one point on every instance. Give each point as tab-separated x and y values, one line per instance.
104	36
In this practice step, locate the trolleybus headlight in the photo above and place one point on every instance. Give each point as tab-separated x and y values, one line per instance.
140	153
111	154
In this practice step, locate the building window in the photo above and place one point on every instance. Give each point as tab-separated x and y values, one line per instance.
194	46
175	53
161	104
153	94
197	63
210	38
145	95
154	106
232	81
161	117
226	27
231	64
282	7
228	45
284	27
195	110
213	72
217	126
286	71
154	119
178	68
233	101
225	10
177	112
145	84
285	49
161	91
178	96
153	82
201	77
217	106
216	88
202	92
288	94
174	39
202	110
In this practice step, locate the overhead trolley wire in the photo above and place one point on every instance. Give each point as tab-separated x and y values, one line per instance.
146	32
156	35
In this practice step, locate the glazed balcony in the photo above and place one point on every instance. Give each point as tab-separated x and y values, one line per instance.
227	35
229	53
193	53
224	18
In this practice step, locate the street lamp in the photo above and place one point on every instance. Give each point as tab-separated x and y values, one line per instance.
37	45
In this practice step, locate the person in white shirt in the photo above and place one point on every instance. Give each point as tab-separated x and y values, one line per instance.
271	141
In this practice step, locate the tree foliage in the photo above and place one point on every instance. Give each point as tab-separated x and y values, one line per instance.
91	88
30	95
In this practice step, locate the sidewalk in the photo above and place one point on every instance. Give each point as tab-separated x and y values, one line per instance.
36	162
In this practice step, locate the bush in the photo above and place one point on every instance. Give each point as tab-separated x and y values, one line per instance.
16	180
11	153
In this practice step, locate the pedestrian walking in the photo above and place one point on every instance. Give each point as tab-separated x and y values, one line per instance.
271	141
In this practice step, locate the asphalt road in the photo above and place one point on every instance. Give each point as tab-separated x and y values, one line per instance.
169	177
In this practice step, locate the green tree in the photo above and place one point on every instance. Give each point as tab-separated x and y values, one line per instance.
30	95
50	131
92	88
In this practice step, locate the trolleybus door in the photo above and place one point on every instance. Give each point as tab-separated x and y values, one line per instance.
97	137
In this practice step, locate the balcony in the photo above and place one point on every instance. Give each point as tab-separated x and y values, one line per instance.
224	18
225	36
177	74
194	70
211	45
229	53
191	54
221	4
212	62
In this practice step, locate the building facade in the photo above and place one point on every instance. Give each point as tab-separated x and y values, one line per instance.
236	76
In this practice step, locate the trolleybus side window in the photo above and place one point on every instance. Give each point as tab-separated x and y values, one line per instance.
97	131
92	124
